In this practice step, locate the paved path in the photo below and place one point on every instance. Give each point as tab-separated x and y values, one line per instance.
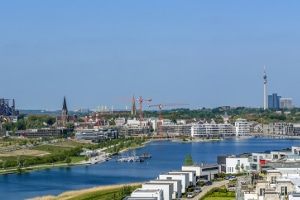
206	188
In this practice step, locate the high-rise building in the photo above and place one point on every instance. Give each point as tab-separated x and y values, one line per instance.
286	103
273	101
265	88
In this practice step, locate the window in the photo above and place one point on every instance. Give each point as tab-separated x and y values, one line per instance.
273	179
262	192
283	190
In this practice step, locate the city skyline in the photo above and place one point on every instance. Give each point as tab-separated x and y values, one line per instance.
205	54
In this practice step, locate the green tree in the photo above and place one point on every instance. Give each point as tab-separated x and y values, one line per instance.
112	122
19	161
70	127
68	160
4	164
25	163
188	160
242	167
237	168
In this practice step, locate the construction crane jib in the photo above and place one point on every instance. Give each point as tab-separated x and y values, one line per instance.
160	106
140	100
141	107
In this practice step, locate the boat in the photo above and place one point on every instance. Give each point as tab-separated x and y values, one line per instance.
146	155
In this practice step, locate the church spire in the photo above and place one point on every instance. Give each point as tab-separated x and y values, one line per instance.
65	105
133	106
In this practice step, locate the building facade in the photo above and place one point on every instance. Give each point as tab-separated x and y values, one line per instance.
274	101
286	103
241	127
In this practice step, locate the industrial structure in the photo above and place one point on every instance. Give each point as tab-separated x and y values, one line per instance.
6	109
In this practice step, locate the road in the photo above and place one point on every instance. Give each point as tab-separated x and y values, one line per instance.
206	188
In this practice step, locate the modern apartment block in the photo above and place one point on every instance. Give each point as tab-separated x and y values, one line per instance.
241	127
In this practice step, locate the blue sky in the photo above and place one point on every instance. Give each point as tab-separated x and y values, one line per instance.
202	53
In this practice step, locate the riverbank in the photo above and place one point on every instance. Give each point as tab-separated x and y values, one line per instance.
81	194
102	157
166	156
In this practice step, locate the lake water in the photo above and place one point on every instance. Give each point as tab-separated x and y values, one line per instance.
166	156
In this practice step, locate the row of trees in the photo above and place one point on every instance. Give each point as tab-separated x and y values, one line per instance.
25	161
251	114
29	122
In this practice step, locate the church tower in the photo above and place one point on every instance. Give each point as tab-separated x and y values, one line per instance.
64	113
133	106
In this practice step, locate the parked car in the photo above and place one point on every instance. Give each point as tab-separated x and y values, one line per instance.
230	178
198	189
208	183
190	195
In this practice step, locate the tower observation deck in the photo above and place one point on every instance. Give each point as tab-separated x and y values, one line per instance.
265	88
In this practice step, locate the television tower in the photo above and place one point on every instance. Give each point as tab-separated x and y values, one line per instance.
265	88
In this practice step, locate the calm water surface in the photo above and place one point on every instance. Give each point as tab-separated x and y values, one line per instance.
166	156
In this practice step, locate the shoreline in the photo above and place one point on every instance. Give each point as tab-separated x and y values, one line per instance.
73	193
100	159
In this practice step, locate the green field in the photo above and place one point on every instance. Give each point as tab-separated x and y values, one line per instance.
219	198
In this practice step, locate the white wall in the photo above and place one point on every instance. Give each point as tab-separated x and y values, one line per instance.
148	193
176	186
182	178
232	162
166	187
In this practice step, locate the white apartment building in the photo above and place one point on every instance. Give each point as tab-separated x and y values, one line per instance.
206	171
236	165
167	188
241	127
147	193
176	186
204	130
184	178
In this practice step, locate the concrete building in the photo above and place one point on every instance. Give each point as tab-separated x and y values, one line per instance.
211	130
167	188
206	171
255	163
41	133
278	184
176	186
96	135
140	193
184	179
191	174
241	127
286	103
237	164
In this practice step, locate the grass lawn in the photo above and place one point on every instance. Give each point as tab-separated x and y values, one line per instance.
50	148
219	198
